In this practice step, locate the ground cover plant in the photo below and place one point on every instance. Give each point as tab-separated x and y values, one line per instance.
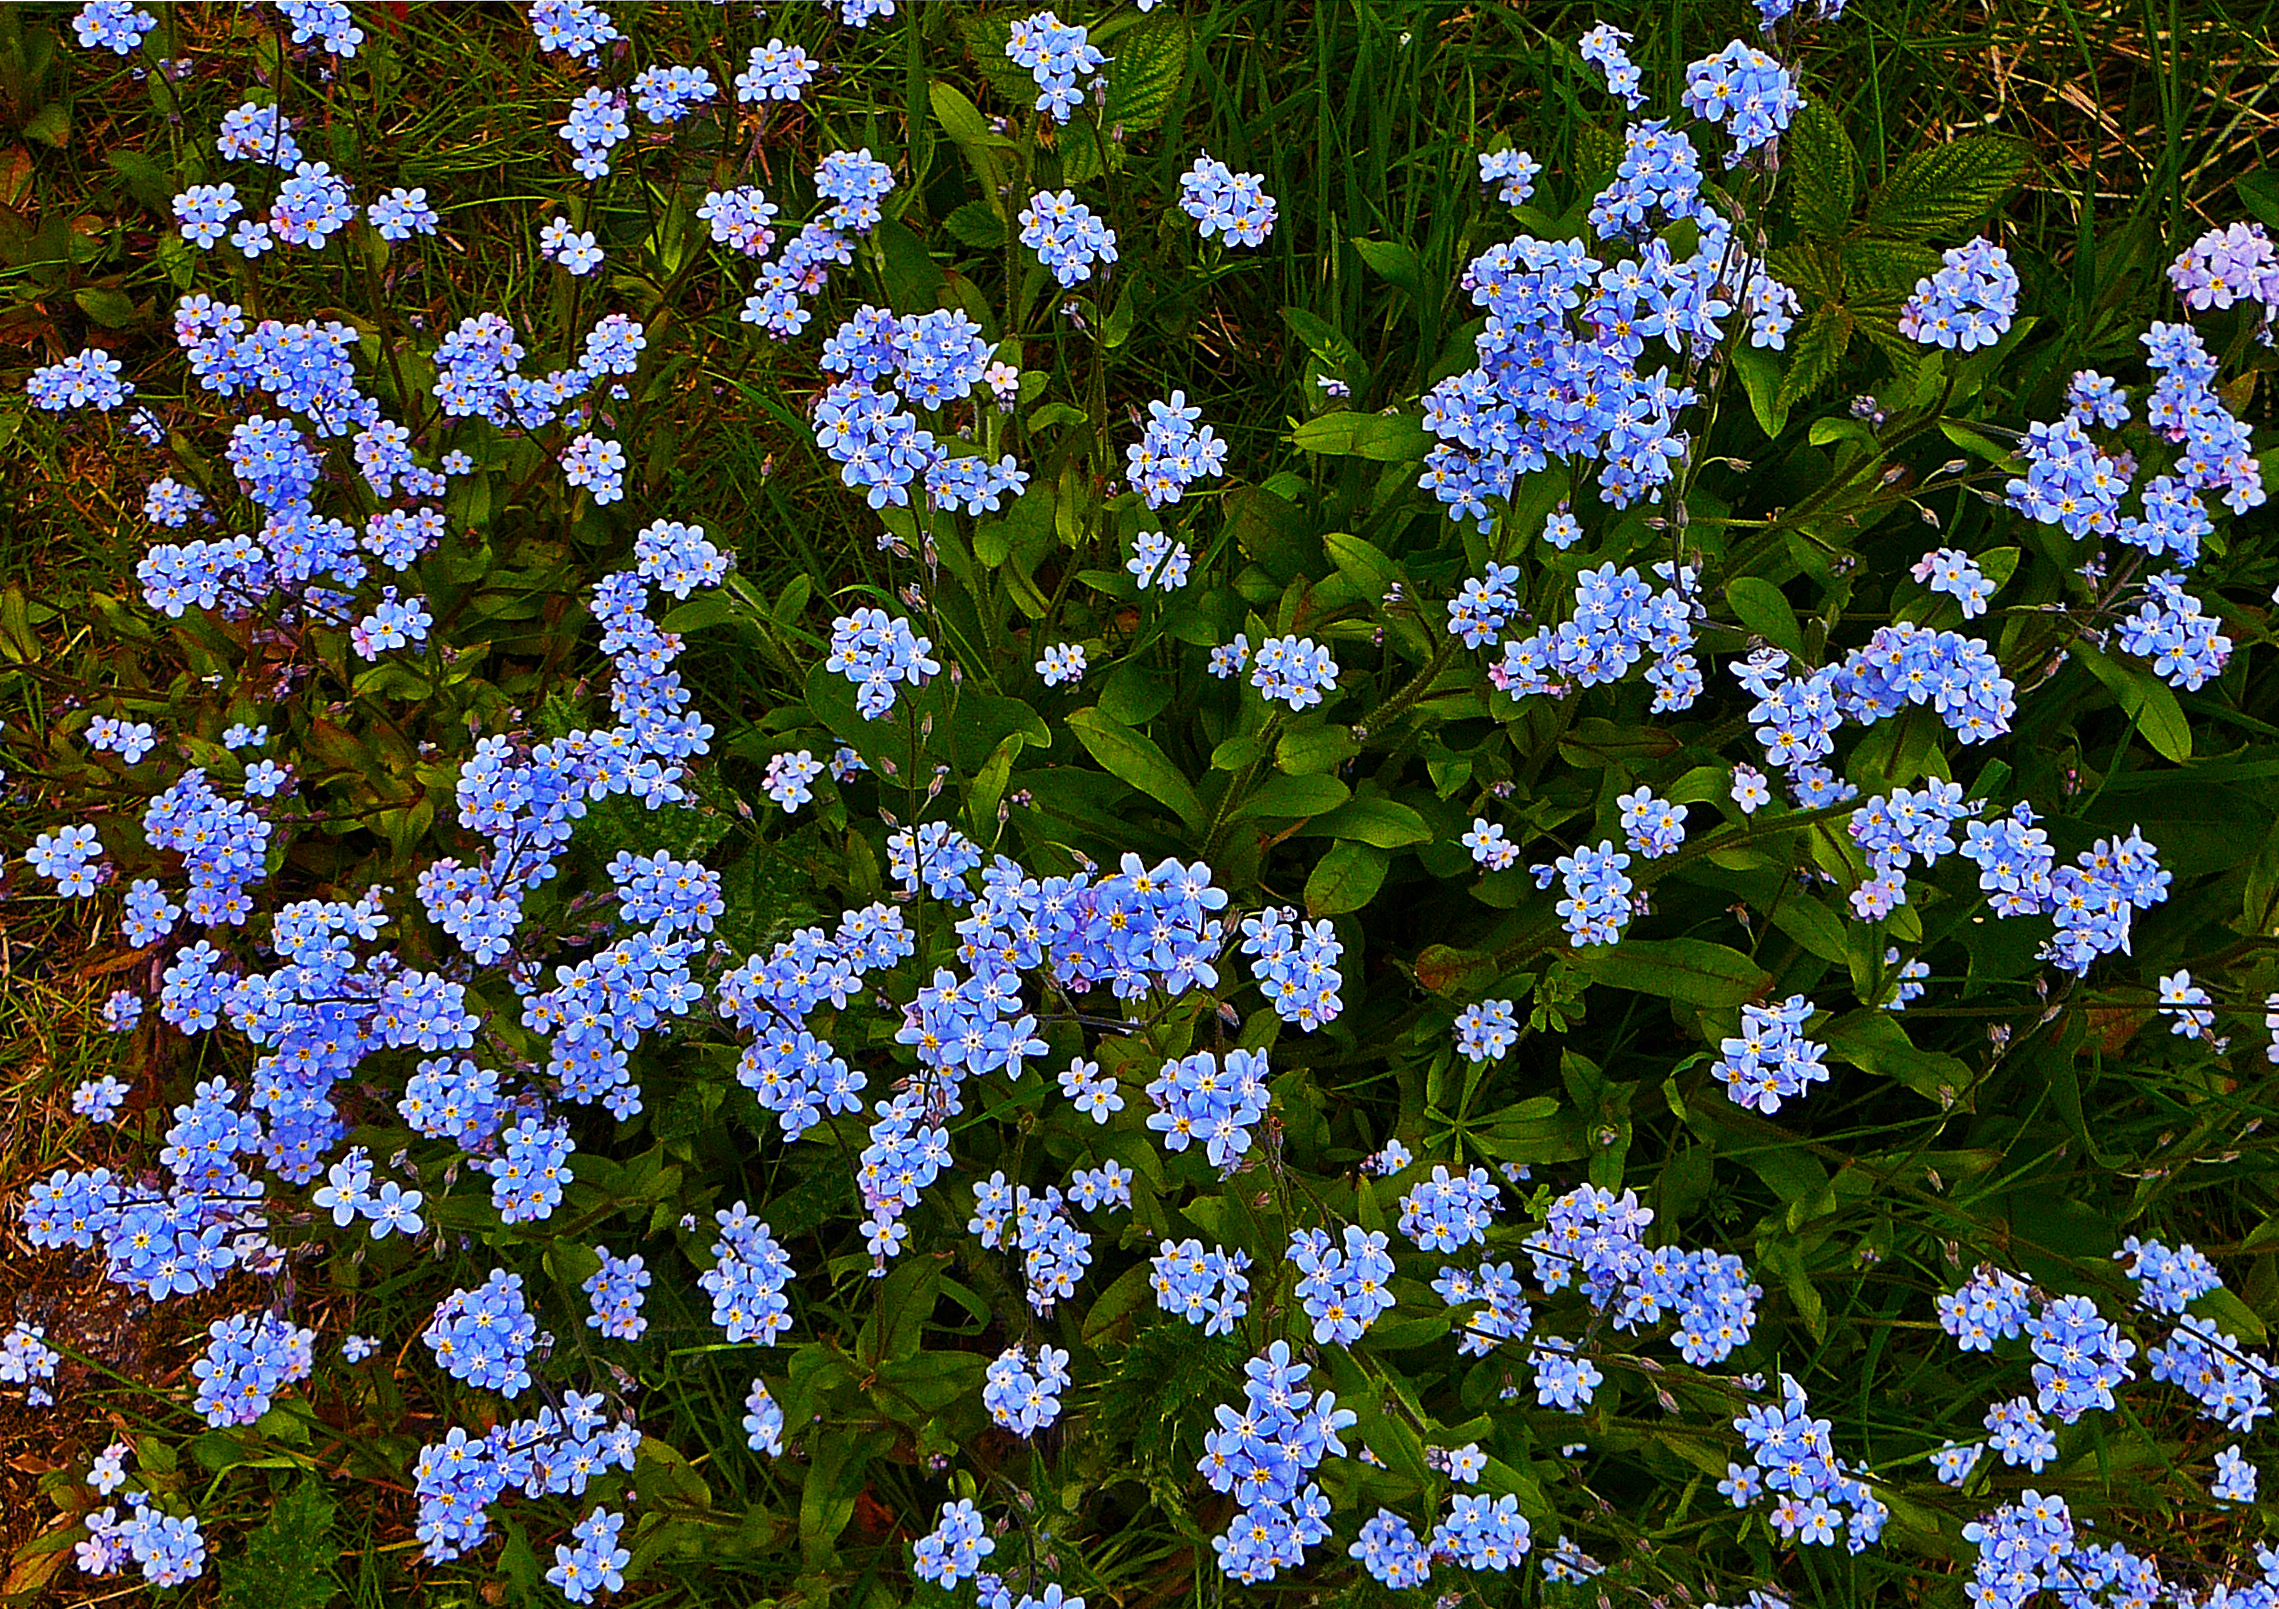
950	803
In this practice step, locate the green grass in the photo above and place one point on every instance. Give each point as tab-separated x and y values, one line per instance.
1364	118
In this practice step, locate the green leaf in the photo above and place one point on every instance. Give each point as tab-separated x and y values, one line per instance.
1823	170
990	783
2150	701
973	224
1446	970
1946	186
1371	570
1396	262
51	125
1760	374
1692	972
1818	929
1763	608
1978	443
1380	822
1781	1255
1388	438
985	38
1795	1176
1890	268
1331	350
1134	694
146	178
289	1562
835	1475
1597	741
1144	79
960	119
1876	1042
2259	194
112	309
1345	879
1320	749
1133	758
1306	795
1813	353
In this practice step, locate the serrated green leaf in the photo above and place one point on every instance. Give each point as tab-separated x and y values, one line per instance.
985	38
1813	353
1946	186
289	1562
1144	78
1133	758
1891	268
1823	169
973	224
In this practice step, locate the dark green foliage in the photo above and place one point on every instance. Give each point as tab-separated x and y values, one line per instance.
291	1560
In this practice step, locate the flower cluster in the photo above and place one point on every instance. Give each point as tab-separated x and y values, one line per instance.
1295	965
1955	573
1173	452
746	1284
88	379
591	1563
1771	1061
247	1359
1295	670
1512	172
615	1293
1746	92
1021	1399
1234	206
27	1360
1204	1287
484	1336
1058	56
775	71
1068	237
1158	560
1196	1098
954	1549
1817	1494
1617	620
2228	265
1597	905
1344	1290
1261	1453
1969	303
1486	1030
1485	605
880	654
1654	827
